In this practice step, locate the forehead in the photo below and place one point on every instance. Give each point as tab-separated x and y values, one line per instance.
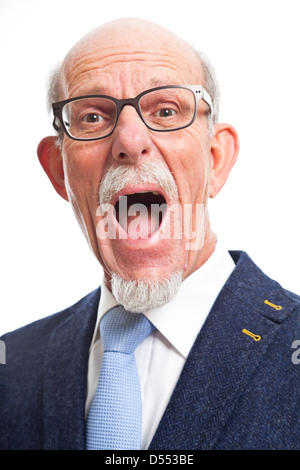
125	58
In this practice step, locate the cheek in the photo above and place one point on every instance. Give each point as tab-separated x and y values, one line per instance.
189	161
192	170
83	167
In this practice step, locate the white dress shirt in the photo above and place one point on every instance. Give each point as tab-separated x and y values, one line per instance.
161	357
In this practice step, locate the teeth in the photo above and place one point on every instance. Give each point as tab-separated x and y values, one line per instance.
156	193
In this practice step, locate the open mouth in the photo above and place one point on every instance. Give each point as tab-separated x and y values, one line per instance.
140	214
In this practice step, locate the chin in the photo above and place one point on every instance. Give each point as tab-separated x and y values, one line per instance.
143	295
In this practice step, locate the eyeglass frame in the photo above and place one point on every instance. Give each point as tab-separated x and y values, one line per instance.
198	91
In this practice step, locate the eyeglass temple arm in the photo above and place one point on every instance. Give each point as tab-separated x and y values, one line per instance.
207	100
54	123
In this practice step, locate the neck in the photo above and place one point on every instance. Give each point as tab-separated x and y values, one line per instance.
198	257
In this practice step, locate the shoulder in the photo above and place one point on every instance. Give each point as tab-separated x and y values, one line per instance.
50	347
32	339
250	285
248	279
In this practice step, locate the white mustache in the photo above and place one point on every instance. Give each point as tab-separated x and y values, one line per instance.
117	178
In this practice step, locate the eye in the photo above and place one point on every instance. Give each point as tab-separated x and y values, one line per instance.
165	112
92	118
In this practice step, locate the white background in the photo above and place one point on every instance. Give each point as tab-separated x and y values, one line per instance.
254	46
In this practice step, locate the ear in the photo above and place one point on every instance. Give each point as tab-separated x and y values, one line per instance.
224	152
51	160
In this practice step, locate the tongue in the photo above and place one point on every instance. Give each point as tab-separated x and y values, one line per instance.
139	221
142	225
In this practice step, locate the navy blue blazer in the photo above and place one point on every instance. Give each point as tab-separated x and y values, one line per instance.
236	391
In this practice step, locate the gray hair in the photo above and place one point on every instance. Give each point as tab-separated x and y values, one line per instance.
53	96
53	87
210	84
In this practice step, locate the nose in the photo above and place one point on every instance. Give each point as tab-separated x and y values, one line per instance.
131	138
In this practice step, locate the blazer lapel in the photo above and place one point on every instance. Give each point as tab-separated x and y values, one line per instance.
223	359
64	387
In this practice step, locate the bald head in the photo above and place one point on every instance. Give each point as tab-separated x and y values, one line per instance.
116	40
130	39
129	30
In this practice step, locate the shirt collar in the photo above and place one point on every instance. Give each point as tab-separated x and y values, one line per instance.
180	320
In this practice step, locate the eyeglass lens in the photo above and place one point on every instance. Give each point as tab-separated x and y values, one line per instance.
89	118
164	109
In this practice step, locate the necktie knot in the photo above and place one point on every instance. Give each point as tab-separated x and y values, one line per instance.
122	331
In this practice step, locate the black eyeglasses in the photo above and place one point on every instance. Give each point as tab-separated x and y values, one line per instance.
162	109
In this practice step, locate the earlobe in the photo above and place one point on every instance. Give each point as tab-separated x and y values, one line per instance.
50	158
224	152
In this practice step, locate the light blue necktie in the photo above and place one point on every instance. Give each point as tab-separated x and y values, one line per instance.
114	420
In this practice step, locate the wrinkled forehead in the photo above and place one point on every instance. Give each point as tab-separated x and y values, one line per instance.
139	46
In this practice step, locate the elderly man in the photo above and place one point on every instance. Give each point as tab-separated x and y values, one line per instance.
185	346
